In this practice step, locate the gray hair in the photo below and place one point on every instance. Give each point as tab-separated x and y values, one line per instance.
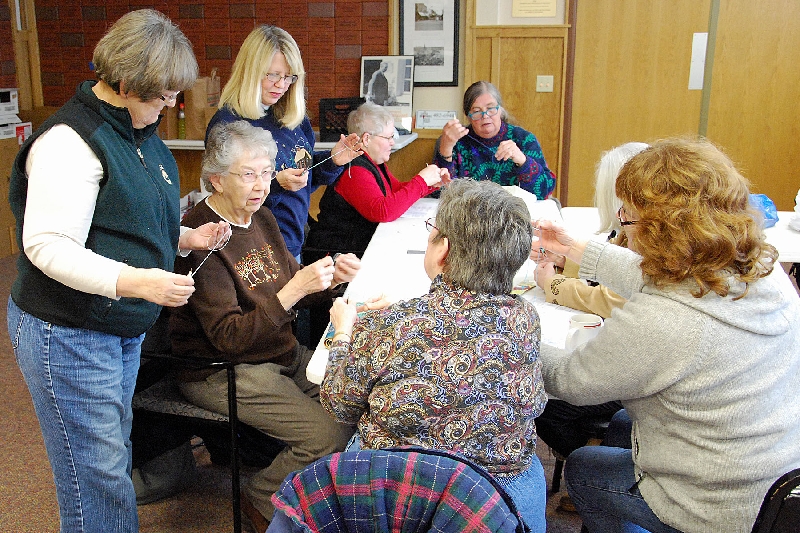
369	118
147	52
480	88
605	196
489	232
229	142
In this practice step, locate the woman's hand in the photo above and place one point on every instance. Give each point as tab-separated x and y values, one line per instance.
544	273
292	179
315	277
508	149
451	133
209	236
376	302
343	316
155	285
346	267
435	176
549	236
347	149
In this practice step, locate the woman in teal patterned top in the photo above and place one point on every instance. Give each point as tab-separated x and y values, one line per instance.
491	148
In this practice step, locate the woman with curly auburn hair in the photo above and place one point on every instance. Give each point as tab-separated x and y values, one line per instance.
705	354
688	192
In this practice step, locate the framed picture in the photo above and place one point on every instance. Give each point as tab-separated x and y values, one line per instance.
429	32
389	81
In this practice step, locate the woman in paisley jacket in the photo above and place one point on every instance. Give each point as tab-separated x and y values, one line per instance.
458	368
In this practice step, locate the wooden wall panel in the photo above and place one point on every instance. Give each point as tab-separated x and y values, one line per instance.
755	96
631	79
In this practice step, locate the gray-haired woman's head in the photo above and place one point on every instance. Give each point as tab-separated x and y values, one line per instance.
479	88
369	118
147	52
489	232
605	196
227	143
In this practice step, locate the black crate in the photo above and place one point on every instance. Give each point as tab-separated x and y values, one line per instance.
333	113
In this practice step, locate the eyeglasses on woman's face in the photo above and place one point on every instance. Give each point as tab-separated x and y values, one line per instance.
249	176
274	77
430	226
480	113
169	98
622	217
390	138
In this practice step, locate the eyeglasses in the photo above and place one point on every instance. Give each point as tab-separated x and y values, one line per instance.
169	99
249	176
387	137
626	222
429	225
489	112
274	77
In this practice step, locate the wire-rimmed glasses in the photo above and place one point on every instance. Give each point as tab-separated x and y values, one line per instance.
274	77
249	176
391	138
169	99
488	112
622	217
429	224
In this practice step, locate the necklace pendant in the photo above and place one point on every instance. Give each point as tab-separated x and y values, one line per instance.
164	174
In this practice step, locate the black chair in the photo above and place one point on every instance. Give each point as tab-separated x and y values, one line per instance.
596	429
159	393
780	511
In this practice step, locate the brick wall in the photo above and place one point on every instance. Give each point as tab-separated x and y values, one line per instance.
332	37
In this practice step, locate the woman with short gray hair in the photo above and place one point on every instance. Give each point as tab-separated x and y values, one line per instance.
247	296
97	200
367	193
491	147
457	369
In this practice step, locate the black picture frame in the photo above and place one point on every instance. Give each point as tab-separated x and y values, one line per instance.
429	32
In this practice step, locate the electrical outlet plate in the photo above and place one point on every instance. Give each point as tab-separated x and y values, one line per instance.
544	84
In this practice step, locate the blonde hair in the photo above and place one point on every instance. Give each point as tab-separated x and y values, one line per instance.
242	93
695	219
147	52
605	177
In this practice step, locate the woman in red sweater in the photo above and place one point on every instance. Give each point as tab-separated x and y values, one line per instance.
366	193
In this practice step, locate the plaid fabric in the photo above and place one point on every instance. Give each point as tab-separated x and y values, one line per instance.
397	491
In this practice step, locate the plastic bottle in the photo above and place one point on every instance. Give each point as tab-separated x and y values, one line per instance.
181	122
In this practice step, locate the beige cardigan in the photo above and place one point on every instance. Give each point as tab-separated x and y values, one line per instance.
566	289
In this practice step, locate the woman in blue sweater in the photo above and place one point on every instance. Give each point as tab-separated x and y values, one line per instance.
266	88
492	149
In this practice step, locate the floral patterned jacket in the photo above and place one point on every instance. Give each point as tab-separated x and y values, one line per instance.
452	370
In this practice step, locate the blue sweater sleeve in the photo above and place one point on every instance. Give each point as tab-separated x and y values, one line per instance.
534	175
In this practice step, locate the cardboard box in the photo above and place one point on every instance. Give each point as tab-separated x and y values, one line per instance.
10	129
9	101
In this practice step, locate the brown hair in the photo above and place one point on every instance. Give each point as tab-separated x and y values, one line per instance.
695	219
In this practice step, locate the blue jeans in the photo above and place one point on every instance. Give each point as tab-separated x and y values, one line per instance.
602	486
528	491
82	382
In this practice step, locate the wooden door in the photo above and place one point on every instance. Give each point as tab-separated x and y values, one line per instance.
754	111
631	78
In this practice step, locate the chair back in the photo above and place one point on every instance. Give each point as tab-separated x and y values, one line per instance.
393	490
333	114
780	511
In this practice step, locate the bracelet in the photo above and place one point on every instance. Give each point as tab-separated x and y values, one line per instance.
341	333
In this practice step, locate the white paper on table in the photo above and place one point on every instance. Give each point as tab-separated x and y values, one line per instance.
539	209
423	208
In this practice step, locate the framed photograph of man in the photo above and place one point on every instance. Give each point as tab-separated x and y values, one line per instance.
389	81
429	32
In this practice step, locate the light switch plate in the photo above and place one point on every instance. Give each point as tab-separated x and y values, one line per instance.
544	84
